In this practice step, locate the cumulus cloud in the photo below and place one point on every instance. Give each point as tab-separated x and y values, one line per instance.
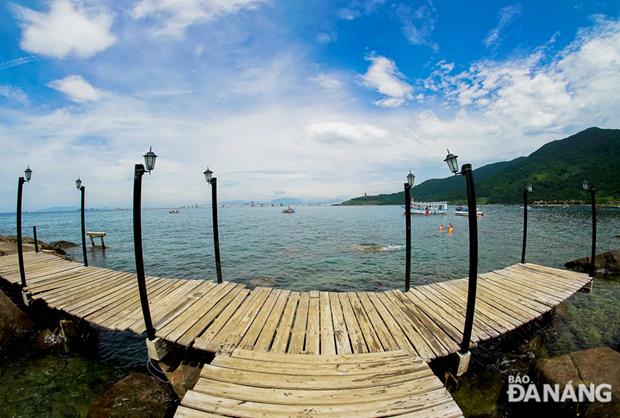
384	77
506	15
76	89
173	17
541	93
344	132
65	29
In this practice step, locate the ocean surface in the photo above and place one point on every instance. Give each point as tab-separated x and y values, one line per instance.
318	248
327	248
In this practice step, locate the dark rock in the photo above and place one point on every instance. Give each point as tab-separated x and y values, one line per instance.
137	395
13	322
63	244
48	340
607	263
596	365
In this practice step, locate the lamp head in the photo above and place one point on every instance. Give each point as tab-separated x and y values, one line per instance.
149	160
208	175
452	161
27	173
410	179
78	183
585	185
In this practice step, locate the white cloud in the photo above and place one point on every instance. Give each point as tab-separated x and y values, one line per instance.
174	16
13	94
506	16
358	8
327	81
16	62
67	28
418	24
344	132
76	89
325	38
384	77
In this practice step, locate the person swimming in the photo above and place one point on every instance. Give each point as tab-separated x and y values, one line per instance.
441	227
450	228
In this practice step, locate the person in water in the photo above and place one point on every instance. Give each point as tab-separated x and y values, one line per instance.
450	228
441	227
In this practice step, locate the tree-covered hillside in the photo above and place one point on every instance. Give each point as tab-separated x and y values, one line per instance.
555	171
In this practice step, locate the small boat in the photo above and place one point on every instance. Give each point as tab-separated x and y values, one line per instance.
463	211
429	208
289	210
173	211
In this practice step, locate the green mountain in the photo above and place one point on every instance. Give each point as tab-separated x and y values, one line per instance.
555	171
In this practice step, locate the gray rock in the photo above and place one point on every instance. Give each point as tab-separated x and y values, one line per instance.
137	395
63	244
14	323
606	263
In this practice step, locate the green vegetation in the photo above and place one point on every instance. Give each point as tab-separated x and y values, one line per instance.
555	171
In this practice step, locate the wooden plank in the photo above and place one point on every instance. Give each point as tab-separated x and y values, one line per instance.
186	336
341	335
218	323
384	335
328	345
251	336
358	344
268	332
231	334
370	335
313	332
298	334
283	331
397	333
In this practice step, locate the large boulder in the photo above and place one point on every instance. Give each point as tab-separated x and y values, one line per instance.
596	365
137	395
607	263
14	323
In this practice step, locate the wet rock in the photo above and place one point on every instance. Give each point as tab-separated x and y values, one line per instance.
137	395
184	378
262	281
63	244
13	322
48	340
596	365
606	263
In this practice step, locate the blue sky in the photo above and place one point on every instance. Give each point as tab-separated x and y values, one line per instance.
315	100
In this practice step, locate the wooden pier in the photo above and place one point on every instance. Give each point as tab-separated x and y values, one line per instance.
361	353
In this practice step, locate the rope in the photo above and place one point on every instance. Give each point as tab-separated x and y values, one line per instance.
154	369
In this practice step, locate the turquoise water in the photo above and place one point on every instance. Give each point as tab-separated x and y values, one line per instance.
323	247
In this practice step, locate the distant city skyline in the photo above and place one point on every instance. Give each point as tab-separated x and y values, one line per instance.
312	100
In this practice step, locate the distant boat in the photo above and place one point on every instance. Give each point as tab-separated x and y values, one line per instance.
463	211
173	211
429	208
288	210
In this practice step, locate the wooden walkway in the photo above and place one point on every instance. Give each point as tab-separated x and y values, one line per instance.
257	384
426	321
282	352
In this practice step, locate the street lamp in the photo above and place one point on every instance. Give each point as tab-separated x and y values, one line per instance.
20	248
82	189
587	187
216	238
139	170
526	191
408	185
466	171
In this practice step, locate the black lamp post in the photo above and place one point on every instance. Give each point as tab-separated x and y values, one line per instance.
526	191
82	189
466	171
20	249
408	186
587	187
149	165
216	235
